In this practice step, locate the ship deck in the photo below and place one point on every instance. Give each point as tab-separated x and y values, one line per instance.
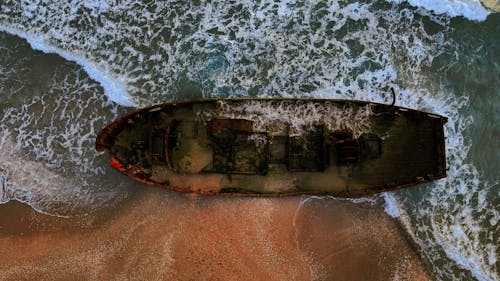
199	147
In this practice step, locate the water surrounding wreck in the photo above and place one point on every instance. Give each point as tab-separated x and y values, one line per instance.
442	59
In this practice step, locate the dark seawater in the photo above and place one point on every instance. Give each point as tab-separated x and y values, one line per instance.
68	68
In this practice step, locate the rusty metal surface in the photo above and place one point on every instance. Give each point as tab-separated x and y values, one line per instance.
142	173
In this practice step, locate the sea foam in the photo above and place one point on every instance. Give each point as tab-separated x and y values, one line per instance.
470	9
114	87
48	126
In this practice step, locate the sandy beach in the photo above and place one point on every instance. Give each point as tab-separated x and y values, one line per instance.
161	235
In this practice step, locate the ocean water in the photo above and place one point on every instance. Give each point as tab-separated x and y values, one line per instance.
67	68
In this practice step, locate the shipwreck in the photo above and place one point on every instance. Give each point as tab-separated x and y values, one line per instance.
275	147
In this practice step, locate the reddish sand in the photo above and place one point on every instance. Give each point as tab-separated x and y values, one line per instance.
159	235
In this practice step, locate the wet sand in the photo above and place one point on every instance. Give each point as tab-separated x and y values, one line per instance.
493	5
161	235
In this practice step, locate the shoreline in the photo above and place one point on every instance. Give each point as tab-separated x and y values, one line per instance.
178	236
426	263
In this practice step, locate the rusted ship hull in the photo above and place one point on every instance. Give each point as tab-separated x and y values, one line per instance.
276	147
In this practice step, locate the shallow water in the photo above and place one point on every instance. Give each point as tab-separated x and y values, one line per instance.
109	55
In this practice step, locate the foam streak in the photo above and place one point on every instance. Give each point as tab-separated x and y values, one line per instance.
113	87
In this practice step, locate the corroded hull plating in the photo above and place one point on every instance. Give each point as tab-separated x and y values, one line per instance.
272	147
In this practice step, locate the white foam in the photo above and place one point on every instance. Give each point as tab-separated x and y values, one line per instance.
114	87
391	205
4	197
471	259
291	117
32	183
470	9
456	224
47	156
23	184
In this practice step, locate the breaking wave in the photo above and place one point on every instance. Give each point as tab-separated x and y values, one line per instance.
470	9
144	54
47	131
113	86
